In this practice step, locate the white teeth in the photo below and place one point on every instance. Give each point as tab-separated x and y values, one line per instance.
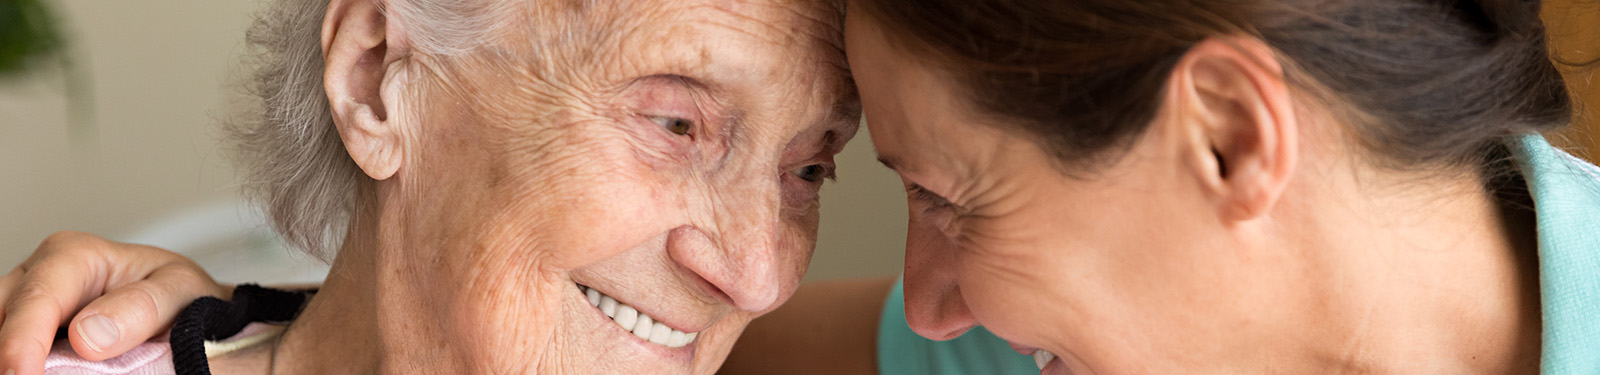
1042	358
626	315
642	328
677	339
660	333
608	306
641	325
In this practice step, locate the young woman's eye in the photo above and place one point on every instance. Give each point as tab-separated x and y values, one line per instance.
811	173
672	124
936	210
934	201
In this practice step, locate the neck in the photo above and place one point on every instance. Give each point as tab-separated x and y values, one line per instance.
340	309
358	322
1413	278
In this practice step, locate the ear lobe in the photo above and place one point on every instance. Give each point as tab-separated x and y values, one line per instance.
1233	97
362	80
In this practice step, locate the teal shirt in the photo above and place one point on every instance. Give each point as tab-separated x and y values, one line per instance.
903	352
1566	199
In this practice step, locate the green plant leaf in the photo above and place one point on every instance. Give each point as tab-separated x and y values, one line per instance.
27	33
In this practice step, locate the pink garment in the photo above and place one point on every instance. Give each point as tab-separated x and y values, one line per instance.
150	358
153	357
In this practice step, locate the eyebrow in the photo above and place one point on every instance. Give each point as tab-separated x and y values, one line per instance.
830	141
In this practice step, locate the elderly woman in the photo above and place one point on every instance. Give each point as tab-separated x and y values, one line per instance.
535	187
1228	187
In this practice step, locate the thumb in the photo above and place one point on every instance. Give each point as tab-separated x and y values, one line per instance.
135	313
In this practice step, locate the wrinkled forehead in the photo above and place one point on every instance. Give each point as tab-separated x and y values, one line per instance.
799	24
770	49
776	64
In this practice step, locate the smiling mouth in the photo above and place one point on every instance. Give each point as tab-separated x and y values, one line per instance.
631	320
1043	358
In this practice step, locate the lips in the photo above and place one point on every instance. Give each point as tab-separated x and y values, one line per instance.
640	324
1041	357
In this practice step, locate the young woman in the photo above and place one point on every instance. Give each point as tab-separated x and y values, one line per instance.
1213	187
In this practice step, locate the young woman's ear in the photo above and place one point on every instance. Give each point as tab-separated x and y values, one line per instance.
363	76
1230	95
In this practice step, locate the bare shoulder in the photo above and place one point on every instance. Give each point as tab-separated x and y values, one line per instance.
828	327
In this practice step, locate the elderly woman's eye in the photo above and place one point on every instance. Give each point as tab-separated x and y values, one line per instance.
812	173
672	124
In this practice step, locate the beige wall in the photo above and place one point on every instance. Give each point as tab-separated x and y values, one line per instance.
160	75
863	218
156	73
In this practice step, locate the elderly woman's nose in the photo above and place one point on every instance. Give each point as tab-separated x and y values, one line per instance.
742	268
935	307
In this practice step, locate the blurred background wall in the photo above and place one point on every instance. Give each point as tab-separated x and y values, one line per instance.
154	76
1573	27
148	168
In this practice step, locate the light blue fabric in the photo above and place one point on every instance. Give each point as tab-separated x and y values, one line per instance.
902	352
1566	198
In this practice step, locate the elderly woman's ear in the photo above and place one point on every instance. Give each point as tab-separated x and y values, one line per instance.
364	80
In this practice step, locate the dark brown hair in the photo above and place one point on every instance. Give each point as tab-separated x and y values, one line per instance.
1441	81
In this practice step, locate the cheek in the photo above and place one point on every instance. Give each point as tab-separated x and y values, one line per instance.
570	200
717	341
503	318
1084	267
605	217
1032	273
1009	291
795	249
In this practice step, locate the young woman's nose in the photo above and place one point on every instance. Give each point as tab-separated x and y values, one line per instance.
934	306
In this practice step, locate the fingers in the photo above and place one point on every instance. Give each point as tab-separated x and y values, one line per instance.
7	283
34	311
129	315
38	296
147	285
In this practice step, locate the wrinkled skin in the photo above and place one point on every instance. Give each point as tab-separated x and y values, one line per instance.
540	163
1239	233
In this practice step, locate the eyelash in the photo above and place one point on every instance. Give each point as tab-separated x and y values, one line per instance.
934	201
824	173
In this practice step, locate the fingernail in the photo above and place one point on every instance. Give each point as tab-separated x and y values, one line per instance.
98	332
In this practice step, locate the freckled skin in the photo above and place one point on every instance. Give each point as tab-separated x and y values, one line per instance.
536	165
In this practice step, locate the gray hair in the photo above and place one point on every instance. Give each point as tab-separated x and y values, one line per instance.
290	155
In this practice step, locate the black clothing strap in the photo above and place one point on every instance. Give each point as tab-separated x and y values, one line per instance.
213	319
